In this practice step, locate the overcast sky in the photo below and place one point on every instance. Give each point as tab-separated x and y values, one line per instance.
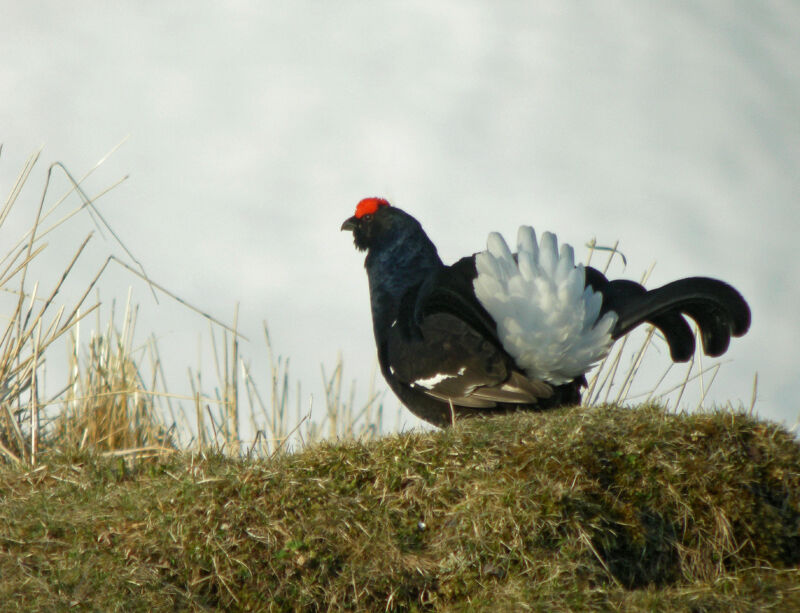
255	127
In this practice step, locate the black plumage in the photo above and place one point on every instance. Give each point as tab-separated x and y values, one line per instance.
439	347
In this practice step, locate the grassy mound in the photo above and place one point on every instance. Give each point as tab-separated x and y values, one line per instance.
570	509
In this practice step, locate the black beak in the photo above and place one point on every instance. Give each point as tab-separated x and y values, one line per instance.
350	224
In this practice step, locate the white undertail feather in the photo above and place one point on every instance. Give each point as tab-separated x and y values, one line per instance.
546	318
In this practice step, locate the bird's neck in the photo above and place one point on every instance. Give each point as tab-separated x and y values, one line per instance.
395	268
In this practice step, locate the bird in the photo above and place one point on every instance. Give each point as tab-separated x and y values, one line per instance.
497	332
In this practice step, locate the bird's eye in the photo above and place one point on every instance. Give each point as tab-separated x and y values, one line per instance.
366	217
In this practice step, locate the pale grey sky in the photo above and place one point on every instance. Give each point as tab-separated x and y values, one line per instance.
255	127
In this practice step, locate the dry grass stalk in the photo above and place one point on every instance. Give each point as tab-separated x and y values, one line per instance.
103	403
107	407
30	331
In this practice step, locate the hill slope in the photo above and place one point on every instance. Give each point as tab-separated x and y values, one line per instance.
582	508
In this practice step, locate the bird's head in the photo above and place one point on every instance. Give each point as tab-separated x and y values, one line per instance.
372	222
394	241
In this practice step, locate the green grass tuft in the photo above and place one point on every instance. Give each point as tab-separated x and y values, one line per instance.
575	509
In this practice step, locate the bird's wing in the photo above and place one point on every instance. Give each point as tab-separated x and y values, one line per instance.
446	345
450	290
450	361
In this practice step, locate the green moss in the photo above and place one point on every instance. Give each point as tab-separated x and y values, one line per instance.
581	508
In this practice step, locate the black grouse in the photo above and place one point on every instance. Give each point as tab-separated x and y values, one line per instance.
498	332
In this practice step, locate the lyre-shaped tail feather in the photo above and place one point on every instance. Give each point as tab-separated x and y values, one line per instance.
719	311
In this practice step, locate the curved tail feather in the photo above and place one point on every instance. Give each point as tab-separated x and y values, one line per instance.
717	308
